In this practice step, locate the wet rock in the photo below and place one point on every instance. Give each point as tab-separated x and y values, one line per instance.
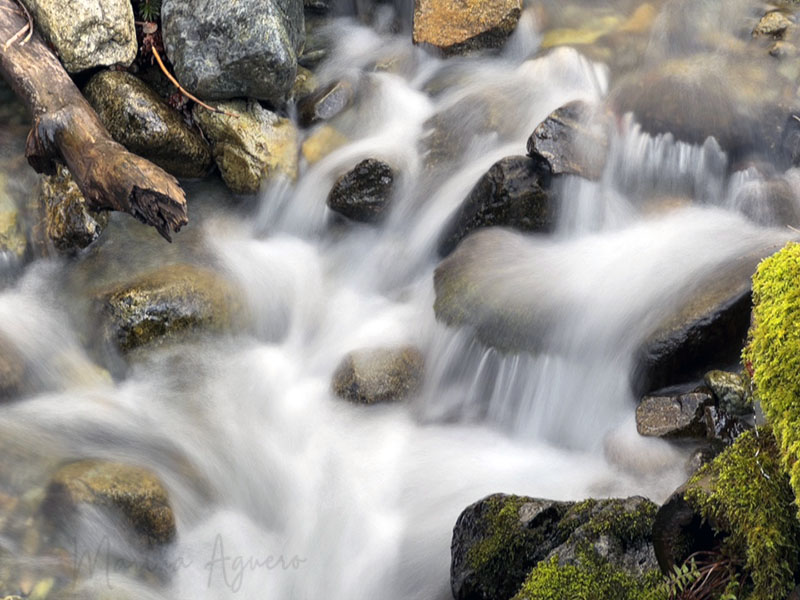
222	50
305	83
730	391
138	119
773	24
679	416
707	330
317	6
131	493
781	49
744	106
321	143
87	33
500	541
326	103
364	193
12	370
374	375
252	147
12	237
573	140
513	193
722	427
166	304
66	222
457	28
770	202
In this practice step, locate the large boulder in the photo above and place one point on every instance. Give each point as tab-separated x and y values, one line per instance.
87	33
250	144
374	375
139	119
166	304
515	192
572	140
364	193
130	493
501	542
744	106
459	27
65	221
222	49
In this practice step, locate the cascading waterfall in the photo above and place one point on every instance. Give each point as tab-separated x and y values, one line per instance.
352	502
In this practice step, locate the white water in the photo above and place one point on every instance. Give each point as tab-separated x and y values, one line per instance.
257	453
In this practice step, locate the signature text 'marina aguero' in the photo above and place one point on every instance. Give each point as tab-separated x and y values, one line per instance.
233	568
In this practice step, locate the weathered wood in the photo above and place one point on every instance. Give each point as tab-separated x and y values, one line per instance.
66	128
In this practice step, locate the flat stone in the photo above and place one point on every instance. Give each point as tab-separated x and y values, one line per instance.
680	416
87	33
459	27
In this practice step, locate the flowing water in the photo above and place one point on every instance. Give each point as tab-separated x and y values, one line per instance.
353	502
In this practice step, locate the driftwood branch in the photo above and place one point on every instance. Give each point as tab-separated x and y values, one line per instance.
66	129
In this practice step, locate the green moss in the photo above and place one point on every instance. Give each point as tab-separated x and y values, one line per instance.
593	578
745	494
773	352
611	518
497	550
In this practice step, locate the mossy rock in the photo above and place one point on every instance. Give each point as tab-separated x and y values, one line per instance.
500	543
140	120
375	375
251	147
166	304
65	221
772	355
744	494
129	492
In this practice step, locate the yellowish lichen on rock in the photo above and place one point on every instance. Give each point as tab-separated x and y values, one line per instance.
321	143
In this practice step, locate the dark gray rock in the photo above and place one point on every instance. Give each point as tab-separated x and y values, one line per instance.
222	49
374	375
678	416
515	192
364	193
678	531
326	103
140	120
498	540
573	140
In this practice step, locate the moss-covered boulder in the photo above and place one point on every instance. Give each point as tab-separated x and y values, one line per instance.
364	193
515	192
165	305
374	375
140	120
64	220
87	33
503	547
251	147
457	28
772	355
744	494
127	492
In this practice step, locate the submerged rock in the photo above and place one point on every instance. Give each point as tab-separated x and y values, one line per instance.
12	237
457	28
323	141
125	491
222	49
138	118
66	221
12	370
374	375
503	545
572	140
364	193
513	193
326	103
251	147
678	416
166	304
87	33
